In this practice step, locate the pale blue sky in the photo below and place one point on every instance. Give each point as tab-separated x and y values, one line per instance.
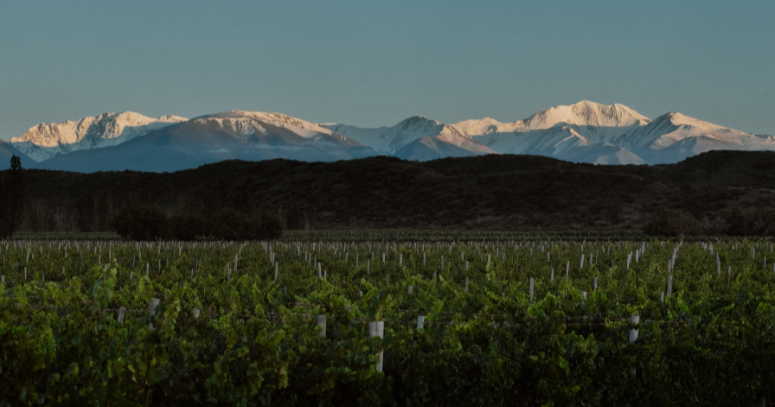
374	63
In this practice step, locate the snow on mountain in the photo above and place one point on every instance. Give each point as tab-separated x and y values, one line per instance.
233	135
557	130
586	113
364	135
487	126
418	127
109	129
257	124
548	142
389	140
673	137
583	132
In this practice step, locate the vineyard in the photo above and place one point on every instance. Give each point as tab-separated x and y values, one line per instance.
311	320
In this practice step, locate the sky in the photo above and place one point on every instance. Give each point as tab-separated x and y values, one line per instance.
375	63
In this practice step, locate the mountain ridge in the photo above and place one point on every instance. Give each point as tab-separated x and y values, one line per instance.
585	131
44	141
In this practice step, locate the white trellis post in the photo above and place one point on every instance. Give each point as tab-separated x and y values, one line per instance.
377	329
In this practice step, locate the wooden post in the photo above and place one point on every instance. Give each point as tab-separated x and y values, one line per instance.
147	267
322	325
276	269
121	313
669	285
551	278
377	329
662	297
531	289
466	284
196	313
567	268
410	290
420	321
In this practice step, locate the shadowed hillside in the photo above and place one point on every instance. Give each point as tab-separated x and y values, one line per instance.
485	192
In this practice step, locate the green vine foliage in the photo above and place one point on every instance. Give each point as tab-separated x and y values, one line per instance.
256	341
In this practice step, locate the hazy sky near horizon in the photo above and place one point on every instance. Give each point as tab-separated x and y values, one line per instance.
371	63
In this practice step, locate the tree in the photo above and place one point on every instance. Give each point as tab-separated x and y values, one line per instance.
12	197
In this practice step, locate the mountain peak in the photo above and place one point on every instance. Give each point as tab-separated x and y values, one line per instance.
248	122
586	113
43	141
419	120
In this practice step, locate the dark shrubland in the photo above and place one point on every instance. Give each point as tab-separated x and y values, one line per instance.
673	223
505	192
189	227
143	223
151	223
750	221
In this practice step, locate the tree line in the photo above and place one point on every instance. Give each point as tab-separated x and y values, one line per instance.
134	216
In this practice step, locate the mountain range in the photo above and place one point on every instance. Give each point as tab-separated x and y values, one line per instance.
585	132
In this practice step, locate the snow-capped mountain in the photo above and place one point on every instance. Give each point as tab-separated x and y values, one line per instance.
586	113
108	129
582	132
364	135
674	137
410	139
556	131
250	136
255	125
581	114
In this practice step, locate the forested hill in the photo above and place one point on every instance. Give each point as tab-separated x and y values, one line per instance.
485	192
